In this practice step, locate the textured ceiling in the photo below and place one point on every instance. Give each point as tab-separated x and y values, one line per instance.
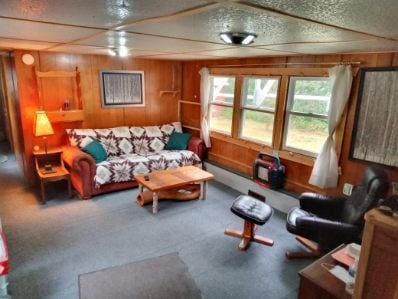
378	17
269	28
189	29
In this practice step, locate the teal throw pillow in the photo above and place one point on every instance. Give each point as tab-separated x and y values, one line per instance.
96	150
178	141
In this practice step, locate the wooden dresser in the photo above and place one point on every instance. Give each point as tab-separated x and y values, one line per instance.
377	275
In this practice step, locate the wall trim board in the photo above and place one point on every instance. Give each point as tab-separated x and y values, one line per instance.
277	200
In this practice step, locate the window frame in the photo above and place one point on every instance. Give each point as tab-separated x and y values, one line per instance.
289	112
222	105
242	109
285	73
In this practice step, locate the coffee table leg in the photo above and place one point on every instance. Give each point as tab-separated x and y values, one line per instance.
203	190
140	188
155	202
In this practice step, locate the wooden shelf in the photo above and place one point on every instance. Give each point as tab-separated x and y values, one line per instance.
65	116
57	74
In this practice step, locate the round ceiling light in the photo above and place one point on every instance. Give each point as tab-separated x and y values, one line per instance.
28	59
238	38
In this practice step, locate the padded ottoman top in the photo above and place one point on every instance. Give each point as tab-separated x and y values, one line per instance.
251	209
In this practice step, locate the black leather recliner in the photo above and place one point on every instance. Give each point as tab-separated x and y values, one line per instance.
331	221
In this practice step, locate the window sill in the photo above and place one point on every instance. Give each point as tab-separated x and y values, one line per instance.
283	154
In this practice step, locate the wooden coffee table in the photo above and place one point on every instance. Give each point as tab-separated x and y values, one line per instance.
169	184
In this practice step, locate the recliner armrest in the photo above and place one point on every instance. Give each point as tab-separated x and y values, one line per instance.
327	227
321	205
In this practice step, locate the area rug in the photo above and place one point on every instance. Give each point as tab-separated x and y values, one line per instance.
3	158
162	277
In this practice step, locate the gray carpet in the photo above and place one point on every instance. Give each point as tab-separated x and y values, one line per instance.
51	245
164	277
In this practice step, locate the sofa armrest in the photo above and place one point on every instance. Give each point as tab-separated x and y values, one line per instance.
321	205
197	146
74	158
82	168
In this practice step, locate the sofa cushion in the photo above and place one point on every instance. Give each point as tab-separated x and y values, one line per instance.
178	141
124	167
96	150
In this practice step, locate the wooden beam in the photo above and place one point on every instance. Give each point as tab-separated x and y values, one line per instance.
280	112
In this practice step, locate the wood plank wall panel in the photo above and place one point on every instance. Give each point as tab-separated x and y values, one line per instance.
241	158
158	77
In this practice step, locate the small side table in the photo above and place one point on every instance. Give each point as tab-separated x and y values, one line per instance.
59	172
317	282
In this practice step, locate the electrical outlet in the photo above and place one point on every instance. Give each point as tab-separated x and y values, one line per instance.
394	188
347	189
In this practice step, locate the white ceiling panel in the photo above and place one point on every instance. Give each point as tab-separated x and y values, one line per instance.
207	25
147	42
377	45
97	13
246	52
378	17
23	44
41	31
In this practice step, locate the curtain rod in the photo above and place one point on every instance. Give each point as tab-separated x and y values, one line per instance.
288	63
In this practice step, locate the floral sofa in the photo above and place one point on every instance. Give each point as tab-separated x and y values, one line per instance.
130	151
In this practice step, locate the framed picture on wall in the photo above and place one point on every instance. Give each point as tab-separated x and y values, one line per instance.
122	88
375	135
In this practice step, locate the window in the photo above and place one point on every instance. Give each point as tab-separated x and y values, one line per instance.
259	96
221	103
306	126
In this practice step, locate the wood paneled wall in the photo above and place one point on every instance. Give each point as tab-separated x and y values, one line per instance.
159	108
240	157
8	81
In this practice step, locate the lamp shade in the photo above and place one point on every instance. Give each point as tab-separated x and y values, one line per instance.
42	125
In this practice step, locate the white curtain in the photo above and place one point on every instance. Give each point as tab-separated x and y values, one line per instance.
325	171
205	103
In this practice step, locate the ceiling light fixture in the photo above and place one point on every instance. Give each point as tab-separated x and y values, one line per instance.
123	51
122	41
238	38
